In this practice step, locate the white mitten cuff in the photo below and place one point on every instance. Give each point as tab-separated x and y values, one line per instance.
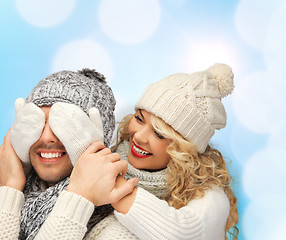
74	128
27	128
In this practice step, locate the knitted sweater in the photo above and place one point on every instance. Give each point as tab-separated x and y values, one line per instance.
152	218
148	218
68	219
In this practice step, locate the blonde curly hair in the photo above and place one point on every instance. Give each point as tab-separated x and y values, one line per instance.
189	174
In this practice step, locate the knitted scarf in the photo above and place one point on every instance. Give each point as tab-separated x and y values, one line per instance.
38	204
153	182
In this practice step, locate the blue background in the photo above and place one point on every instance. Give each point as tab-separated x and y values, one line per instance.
134	43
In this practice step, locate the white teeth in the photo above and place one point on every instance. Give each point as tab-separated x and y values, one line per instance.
50	155
140	151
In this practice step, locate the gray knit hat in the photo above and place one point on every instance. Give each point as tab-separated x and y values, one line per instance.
191	103
86	89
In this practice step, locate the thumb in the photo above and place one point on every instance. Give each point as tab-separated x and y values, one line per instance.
95	118
133	182
124	189
19	103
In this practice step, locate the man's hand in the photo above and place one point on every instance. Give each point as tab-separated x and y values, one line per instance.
11	169
95	173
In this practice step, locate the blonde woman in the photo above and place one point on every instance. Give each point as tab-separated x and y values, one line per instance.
183	189
168	137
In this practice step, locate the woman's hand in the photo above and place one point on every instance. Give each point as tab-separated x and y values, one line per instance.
95	173
11	169
125	203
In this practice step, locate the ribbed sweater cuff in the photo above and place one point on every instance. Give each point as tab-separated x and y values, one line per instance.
74	207
152	218
11	200
142	198
138	215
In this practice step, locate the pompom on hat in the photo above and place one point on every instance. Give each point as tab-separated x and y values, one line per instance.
191	103
86	89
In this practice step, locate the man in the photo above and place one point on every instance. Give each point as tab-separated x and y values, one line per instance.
64	121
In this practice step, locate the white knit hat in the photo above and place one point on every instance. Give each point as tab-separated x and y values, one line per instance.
191	103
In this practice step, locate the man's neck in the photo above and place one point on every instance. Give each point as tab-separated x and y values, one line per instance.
44	185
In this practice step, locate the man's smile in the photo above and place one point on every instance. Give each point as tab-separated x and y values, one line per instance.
50	156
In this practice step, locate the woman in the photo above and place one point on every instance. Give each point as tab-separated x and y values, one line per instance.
183	190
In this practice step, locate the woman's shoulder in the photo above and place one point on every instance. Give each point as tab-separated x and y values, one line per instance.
216	193
213	210
214	202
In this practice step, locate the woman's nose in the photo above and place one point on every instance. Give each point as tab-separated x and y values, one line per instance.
141	135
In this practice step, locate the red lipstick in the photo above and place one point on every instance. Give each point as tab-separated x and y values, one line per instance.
139	152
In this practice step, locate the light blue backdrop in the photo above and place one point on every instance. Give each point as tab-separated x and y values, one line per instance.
137	42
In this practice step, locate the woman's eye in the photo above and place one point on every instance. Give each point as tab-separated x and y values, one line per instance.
138	118
159	135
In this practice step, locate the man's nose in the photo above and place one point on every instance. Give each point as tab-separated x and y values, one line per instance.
47	135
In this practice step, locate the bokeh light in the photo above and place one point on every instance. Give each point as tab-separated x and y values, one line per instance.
83	53
252	18
45	13
202	54
251	103
264	171
129	22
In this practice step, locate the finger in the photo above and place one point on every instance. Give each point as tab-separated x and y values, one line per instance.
125	170
120	167
7	141
19	104
126	188
103	152
95	147
114	157
95	118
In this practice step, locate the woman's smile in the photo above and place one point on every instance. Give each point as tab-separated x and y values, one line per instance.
147	147
139	152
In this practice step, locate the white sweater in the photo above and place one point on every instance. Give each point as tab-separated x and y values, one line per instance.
148	218
152	218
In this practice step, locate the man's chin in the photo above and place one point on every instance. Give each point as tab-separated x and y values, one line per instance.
52	178
52	173
51	181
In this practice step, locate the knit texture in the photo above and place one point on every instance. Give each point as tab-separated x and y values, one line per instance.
74	128
11	202
67	220
152	218
65	215
110	228
201	219
27	128
38	204
148	218
191	103
86	89
154	182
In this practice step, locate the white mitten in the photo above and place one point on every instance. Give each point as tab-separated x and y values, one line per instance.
26	129
74	128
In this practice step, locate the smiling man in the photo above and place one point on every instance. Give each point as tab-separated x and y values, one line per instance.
48	155
64	114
